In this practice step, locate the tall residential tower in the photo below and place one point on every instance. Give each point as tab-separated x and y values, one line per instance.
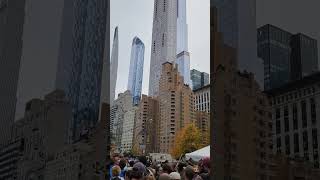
136	70
114	65
67	55
164	40
183	56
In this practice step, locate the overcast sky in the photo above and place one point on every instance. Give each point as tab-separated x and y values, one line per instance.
134	18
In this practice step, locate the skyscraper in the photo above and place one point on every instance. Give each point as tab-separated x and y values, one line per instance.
145	131
304	56
164	40
11	30
69	50
114	65
120	107
136	70
199	79
237	22
287	57
274	49
183	56
176	104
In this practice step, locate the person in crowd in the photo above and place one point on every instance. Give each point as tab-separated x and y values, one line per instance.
188	173
116	170
175	176
131	163
180	167
204	168
115	161
123	166
149	175
164	176
128	174
166	168
143	160
136	174
140	167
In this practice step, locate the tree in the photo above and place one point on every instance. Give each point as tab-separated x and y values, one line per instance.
188	139
205	138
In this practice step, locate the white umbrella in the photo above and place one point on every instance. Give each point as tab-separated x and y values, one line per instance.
199	154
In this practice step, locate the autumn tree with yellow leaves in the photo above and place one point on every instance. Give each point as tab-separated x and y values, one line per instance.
187	140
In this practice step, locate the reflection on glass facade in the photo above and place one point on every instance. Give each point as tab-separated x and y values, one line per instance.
287	57
274	49
11	31
304	57
82	74
136	70
227	11
199	79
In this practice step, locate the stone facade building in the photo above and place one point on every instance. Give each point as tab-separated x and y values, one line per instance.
176	102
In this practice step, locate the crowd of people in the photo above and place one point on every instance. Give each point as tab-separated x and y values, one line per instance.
143	168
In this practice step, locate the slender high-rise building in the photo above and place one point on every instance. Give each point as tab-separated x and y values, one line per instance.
136	70
114	65
67	55
11	29
183	56
164	40
236	21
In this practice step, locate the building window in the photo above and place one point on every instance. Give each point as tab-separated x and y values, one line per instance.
305	140
279	145
156	8
287	144
278	127
315	148
154	46
164	5
286	119
277	113
313	111
314	138
162	43
295	116
296	142
304	114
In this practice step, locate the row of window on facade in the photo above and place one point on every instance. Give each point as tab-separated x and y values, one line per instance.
296	145
294	116
294	95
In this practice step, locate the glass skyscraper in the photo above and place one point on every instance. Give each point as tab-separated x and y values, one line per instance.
286	57
236	20
81	75
199	79
136	70
183	56
304	57
274	48
12	15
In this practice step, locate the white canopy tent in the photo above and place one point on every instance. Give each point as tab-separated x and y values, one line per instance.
199	154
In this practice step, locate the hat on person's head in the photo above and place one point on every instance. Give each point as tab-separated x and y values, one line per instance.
175	176
140	167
